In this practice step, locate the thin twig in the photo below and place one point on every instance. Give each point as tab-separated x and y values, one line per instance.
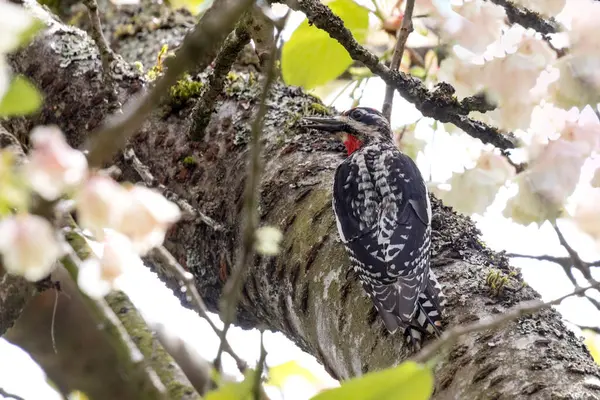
8	395
165	258
441	104
565	262
189	212
197	49
106	54
405	29
233	45
260	366
577	262
233	286
450	336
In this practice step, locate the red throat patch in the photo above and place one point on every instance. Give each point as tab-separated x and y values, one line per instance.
352	143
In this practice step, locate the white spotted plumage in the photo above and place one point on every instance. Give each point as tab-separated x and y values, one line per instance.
383	217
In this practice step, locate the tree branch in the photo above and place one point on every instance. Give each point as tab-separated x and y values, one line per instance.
166	259
196	50
203	109
8	395
527	18
450	336
234	285
405	30
441	104
106	54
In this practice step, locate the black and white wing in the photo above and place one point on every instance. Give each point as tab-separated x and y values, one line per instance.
383	217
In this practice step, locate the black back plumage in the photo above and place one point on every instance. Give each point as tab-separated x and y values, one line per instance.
384	220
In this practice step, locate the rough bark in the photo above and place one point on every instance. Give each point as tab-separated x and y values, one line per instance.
305	292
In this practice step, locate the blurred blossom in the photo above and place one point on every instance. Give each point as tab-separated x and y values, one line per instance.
528	206
475	189
147	217
29	246
464	76
98	276
475	24
101	203
587	214
585	131
268	239
523	66
53	167
406	140
583	35
555	172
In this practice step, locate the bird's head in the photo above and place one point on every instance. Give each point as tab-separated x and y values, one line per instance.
356	127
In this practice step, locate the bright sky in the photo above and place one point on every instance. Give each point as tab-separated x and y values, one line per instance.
21	376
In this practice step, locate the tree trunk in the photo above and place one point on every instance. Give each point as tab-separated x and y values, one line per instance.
305	292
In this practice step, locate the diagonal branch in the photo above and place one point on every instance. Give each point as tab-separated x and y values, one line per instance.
450	336
527	18
234	285
234	43
197	49
405	30
440	104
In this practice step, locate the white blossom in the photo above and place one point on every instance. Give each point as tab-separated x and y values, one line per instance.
147	218
528	206
54	166
29	246
587	214
475	189
101	203
268	239
464	76
477	25
98	276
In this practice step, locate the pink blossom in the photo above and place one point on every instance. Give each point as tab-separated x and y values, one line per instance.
98	276
481	183
528	206
587	214
147	218
477	25
29	246
53	167
101	203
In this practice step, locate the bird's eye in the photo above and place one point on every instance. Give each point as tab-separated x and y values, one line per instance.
356	114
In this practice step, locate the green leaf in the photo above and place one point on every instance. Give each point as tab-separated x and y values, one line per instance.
408	381
280	373
592	341
234	390
192	6
21	98
418	72
311	58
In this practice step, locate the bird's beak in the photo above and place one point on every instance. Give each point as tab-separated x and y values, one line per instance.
329	124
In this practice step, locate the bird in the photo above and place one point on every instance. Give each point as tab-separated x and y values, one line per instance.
383	216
